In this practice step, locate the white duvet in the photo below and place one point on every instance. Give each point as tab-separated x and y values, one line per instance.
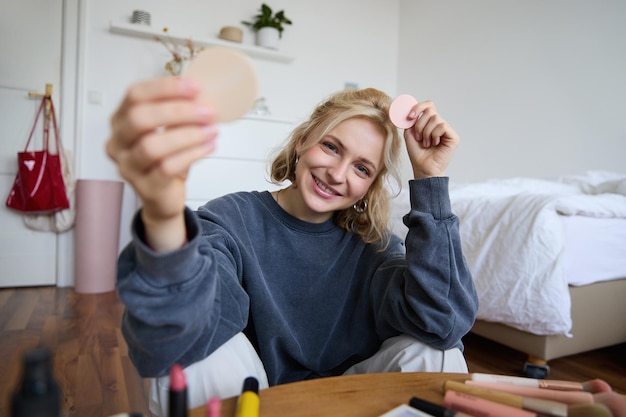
513	240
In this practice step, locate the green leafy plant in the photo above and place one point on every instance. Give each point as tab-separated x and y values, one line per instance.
266	18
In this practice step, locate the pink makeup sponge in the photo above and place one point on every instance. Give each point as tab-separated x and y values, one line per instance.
399	111
229	80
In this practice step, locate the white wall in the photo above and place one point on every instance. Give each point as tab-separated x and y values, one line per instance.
355	42
534	87
333	43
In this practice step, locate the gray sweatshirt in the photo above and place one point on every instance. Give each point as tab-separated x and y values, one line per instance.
312	298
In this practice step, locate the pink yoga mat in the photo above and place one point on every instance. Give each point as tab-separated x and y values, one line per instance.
97	232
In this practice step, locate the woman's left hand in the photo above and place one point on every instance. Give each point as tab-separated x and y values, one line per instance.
431	142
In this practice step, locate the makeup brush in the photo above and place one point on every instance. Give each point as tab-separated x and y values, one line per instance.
613	401
568	397
594	385
471	404
540	406
589	410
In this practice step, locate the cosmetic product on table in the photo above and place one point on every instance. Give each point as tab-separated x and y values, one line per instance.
38	394
214	407
404	410
435	410
128	415
248	403
530	382
590	410
567	397
537	405
177	406
477	406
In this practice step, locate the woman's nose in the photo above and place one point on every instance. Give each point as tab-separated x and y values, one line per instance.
338	172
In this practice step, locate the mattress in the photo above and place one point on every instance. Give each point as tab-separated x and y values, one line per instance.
595	249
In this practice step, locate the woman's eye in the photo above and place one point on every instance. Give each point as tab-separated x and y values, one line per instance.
330	146
363	170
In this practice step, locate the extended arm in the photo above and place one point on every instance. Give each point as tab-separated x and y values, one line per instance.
157	133
180	305
180	296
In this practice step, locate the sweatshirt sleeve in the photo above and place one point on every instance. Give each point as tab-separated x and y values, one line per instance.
180	305
429	293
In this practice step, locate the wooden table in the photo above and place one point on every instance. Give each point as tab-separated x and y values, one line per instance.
365	395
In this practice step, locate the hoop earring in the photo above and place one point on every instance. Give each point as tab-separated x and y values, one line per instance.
360	206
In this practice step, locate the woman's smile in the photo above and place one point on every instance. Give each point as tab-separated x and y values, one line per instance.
324	189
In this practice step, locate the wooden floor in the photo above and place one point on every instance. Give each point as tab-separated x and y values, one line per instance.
91	360
97	378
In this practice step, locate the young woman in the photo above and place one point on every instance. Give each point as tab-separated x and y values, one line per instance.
301	283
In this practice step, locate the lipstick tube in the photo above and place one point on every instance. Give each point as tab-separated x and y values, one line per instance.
177	406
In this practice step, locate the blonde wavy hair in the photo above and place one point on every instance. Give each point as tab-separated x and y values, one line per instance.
368	104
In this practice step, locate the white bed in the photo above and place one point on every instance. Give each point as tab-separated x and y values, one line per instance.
549	261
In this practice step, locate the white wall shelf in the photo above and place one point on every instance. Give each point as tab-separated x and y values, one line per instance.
142	31
269	118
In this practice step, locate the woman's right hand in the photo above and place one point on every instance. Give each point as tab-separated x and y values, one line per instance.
157	133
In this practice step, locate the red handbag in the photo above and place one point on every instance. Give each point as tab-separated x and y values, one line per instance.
38	185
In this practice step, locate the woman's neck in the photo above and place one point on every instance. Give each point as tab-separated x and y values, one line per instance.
290	200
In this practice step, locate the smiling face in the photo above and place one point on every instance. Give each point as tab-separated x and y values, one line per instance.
337	171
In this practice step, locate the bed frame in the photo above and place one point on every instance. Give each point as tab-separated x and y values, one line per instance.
598	320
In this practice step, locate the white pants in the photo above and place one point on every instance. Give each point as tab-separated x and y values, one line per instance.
221	374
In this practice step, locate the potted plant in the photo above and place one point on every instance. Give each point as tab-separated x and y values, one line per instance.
268	26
